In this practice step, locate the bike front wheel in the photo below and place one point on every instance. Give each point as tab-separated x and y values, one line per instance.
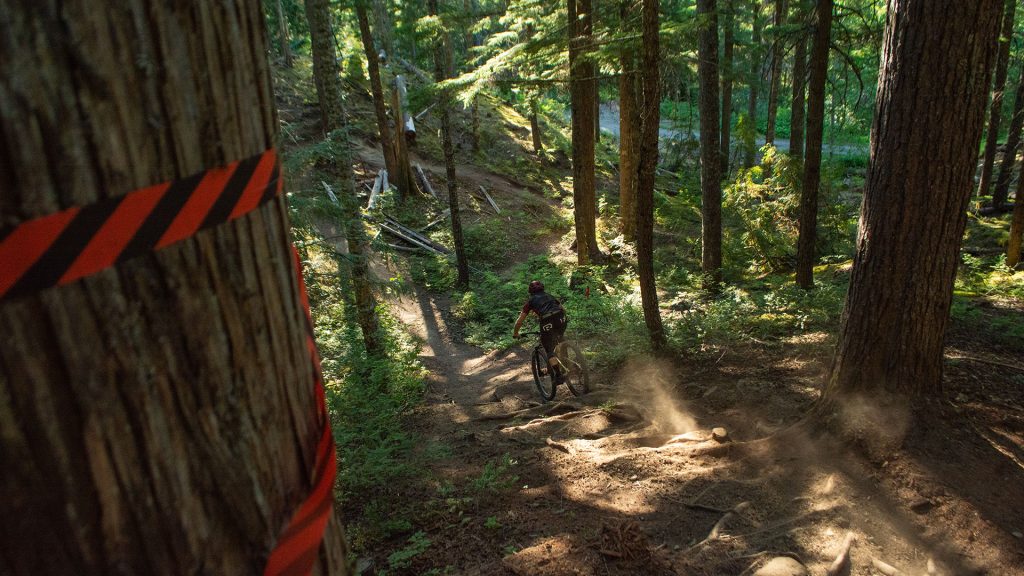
542	374
577	376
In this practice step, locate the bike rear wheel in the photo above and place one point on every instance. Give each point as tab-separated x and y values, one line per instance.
577	376
542	374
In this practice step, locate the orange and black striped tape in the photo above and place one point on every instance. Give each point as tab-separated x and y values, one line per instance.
297	546
74	243
63	247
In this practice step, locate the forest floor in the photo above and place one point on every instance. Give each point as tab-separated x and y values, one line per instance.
628	478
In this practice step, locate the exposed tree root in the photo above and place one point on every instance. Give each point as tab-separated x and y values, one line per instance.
884	568
559	446
542	409
843	558
716	530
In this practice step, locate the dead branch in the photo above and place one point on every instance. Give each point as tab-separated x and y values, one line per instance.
843	558
490	200
424	183
986	361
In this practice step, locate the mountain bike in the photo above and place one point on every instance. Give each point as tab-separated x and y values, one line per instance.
574	369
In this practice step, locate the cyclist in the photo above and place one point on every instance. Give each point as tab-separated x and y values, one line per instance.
552	320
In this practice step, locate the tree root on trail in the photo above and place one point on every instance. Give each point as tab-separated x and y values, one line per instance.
716	530
618	413
843	558
559	446
542	409
884	568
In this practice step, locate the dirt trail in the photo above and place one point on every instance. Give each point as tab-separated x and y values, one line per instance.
629	480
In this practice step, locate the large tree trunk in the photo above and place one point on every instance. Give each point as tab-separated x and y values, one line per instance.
629	135
385	36
935	70
284	37
582	92
1013	247
805	250
1012	144
376	88
325	64
402	176
996	109
442	67
157	417
727	73
710	166
796	126
328	85
756	60
651	121
535	131
776	70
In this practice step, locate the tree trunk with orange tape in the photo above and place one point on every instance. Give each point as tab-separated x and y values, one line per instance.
158	417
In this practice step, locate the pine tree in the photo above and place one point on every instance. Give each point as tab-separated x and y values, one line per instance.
936	63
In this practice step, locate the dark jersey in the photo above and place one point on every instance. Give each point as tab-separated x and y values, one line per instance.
542	304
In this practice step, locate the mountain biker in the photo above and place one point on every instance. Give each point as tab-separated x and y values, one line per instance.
552	320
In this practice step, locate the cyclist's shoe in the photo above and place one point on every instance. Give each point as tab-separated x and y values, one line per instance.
558	378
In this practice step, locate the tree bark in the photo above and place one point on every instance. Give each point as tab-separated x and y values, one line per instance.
376	88
996	109
382	16
402	176
776	83
805	251
158	417
651	121
629	136
328	83
750	156
325	64
1012	145
796	126
727	73
710	165
535	132
582	92
936	66
442	67
285	38
1013	247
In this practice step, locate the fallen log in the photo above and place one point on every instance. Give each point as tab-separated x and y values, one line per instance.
403	248
490	200
444	216
377	187
398	234
410	232
424	183
414	70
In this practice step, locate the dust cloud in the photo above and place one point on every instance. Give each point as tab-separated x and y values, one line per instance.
879	422
652	382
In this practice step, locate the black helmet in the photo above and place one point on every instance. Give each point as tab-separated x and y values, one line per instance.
536	286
